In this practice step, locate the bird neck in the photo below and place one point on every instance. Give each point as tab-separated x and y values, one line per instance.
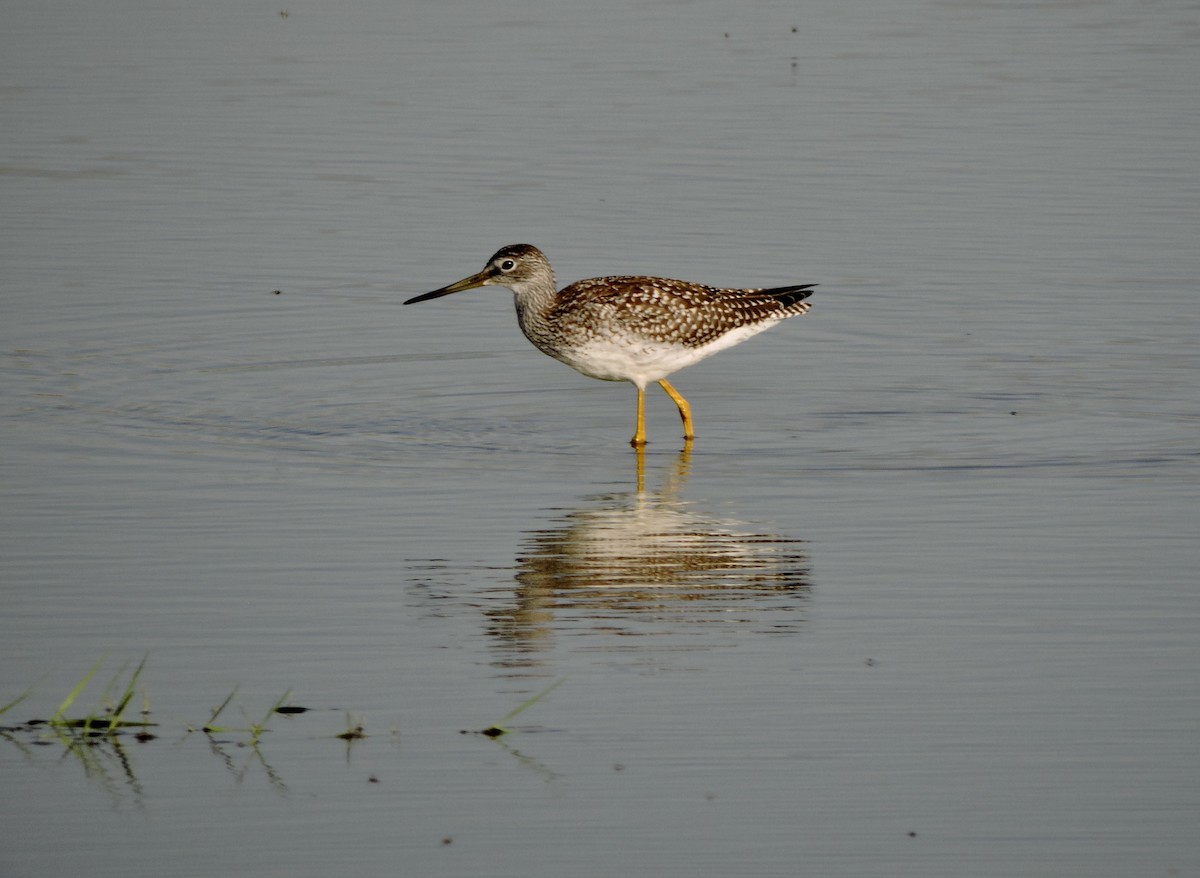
535	298
535	301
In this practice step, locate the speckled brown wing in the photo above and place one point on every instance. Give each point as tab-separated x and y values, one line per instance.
672	311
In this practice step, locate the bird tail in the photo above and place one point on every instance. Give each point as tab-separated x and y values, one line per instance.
789	296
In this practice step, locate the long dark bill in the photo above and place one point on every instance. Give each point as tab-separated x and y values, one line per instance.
467	283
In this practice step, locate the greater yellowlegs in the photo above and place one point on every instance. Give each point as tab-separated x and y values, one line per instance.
635	329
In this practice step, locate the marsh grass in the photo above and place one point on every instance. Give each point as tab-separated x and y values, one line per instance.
254	729
93	737
211	727
497	729
109	716
7	707
257	729
98	737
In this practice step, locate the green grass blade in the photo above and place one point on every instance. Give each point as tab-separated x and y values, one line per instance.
16	701
274	707
534	700
74	693
208	726
129	688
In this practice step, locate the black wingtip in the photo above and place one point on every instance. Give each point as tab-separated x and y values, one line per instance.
790	295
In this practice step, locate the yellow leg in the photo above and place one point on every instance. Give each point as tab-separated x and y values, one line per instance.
639	436
685	410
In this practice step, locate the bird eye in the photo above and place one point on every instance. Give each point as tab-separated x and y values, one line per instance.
507	264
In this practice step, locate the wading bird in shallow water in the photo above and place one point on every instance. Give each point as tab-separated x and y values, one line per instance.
635	329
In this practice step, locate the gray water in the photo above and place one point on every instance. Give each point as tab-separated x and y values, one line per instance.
920	601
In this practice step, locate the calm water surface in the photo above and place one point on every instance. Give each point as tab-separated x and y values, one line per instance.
921	600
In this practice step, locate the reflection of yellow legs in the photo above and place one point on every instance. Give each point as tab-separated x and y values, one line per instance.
685	412
674	481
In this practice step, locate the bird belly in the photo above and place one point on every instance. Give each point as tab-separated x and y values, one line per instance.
643	361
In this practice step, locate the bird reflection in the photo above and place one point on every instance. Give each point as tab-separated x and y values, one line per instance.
650	563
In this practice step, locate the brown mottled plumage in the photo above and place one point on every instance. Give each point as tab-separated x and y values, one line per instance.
636	329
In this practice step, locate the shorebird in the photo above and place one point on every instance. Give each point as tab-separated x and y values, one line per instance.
635	329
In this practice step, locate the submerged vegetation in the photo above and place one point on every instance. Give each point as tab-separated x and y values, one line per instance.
99	736
496	729
109	716
108	721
